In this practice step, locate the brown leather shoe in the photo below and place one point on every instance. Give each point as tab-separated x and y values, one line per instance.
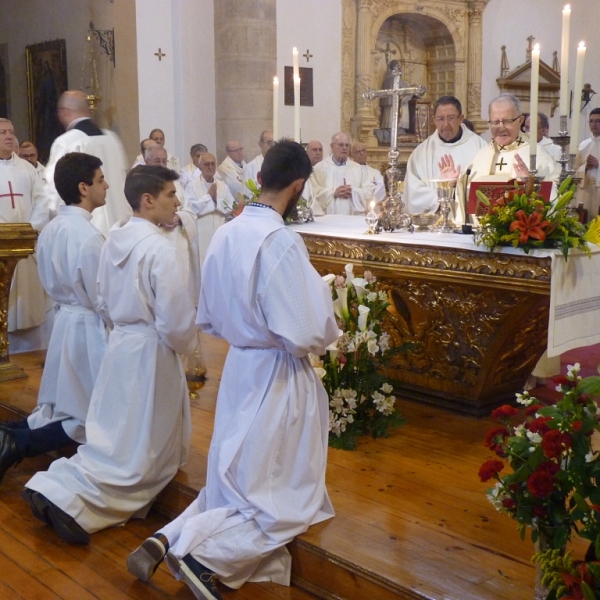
9	455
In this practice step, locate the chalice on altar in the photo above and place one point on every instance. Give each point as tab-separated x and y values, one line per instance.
445	190
371	218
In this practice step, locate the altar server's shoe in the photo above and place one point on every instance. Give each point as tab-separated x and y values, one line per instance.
9	455
144	561
65	526
200	579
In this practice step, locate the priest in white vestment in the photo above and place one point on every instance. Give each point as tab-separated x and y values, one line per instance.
138	424
359	155
340	185
252	168
68	251
191	170
544	141
22	201
450	137
210	199
266	468
232	168
586	165
144	145
28	152
82	135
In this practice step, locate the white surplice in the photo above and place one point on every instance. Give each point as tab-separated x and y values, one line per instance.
110	151
420	195
266	466
327	177
251	171
22	201
172	161
376	178
233	176
138	423
68	251
589	187
211	213
550	147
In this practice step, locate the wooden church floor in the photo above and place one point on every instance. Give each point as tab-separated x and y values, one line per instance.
412	519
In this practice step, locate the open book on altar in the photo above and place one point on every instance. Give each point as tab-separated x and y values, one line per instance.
494	190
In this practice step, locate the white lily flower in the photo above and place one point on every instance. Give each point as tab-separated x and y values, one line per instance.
329	278
372	296
349	272
534	437
589	457
520	430
340	304
363	317
525	399
360	286
572	370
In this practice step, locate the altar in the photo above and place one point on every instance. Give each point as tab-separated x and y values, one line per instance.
480	320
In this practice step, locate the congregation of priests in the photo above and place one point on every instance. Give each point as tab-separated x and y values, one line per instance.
117	279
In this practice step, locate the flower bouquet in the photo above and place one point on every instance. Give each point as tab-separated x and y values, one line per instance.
552	488
240	201
525	220
360	399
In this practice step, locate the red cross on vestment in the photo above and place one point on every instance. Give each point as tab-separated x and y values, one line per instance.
11	194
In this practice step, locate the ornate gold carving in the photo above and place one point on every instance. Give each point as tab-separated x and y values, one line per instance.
348	62
474	99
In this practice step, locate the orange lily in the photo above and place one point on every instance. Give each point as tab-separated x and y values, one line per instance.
529	226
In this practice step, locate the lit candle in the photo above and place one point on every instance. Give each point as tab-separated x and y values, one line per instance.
372	205
297	109
533	95
275	108
577	98
295	63
564	62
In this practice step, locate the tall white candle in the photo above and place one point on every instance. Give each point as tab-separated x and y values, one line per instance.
297	109
275	108
533	95
564	61
577	98
295	63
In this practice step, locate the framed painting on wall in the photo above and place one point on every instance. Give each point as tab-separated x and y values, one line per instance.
46	81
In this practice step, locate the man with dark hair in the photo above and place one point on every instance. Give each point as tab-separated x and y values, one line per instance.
266	471
68	251
586	163
191	170
138	423
450	137
28	152
159	137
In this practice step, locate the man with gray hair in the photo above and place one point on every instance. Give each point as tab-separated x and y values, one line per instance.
339	184
252	169
231	169
83	135
191	171
507	156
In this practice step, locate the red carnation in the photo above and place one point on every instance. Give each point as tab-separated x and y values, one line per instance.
564	380
548	467
540	511
577	425
531	410
539	425
540	484
554	443
509	504
490	468
496	436
504	412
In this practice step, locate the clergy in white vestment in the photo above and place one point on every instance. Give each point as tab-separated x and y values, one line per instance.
450	137
586	165
182	231
252	168
543	130
158	137
68	251
210	199
144	145
266	469
28	152
191	170
359	155
340	185
82	135
22	201
138	424
231	169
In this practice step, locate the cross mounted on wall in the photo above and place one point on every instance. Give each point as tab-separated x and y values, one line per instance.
160	54
308	55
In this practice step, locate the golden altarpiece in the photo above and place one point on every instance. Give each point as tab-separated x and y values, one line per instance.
437	43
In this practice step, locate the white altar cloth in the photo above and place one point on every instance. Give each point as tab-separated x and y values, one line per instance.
574	320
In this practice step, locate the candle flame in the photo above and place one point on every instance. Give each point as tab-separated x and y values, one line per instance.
276	80
567	8
297	79
536	47
372	205
294	50
581	45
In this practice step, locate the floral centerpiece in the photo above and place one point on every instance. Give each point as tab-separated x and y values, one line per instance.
523	219
360	399
552	488
240	200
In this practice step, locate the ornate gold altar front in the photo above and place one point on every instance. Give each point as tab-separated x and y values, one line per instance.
17	240
480	319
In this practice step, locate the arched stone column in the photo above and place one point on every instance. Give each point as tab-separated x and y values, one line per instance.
245	62
474	65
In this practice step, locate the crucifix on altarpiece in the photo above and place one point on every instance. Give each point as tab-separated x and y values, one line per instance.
392	216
